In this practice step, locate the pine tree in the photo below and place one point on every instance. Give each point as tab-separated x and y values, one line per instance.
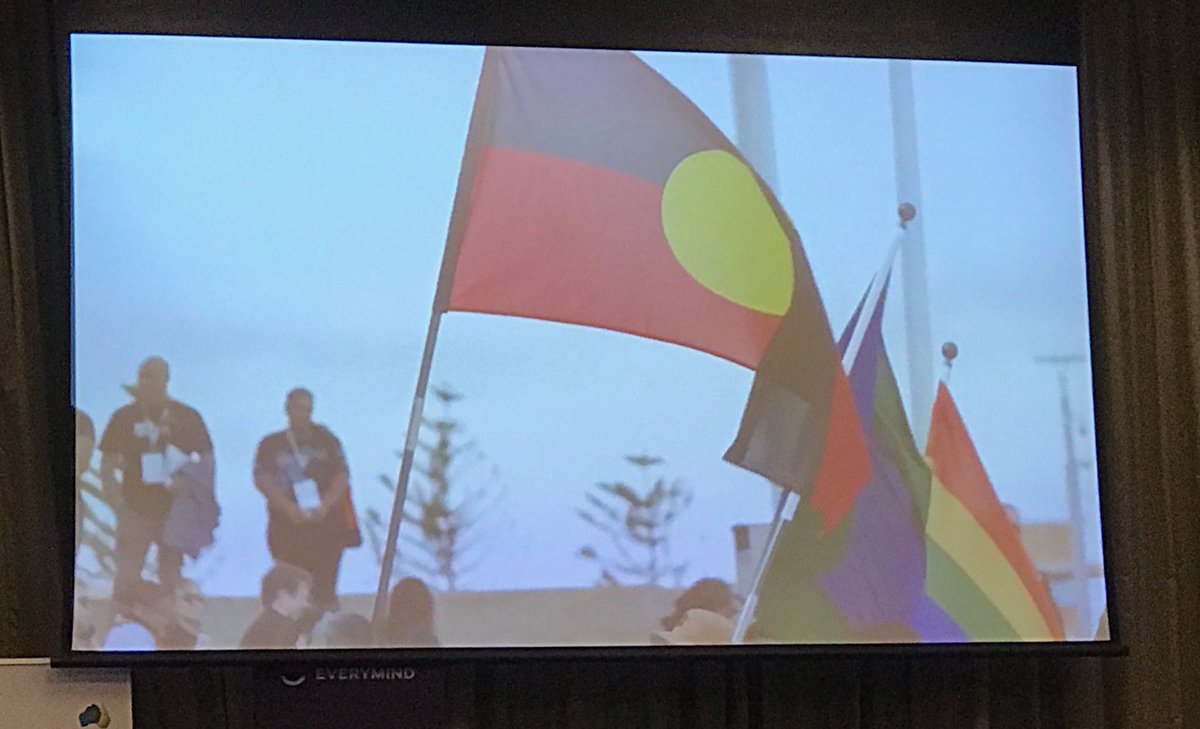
443	506
637	524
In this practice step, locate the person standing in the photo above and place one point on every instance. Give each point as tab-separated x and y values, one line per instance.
302	472
145	442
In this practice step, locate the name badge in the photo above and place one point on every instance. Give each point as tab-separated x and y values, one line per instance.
154	469
308	496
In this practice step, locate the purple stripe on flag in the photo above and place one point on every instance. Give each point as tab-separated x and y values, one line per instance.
865	369
933	624
881	576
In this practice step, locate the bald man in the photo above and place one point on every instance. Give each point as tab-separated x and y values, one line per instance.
144	441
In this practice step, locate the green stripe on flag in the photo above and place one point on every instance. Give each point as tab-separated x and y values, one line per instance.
895	437
950	587
791	607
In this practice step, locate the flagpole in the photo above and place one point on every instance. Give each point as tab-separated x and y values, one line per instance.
480	124
754	125
949	354
1079	568
789	499
415	416
752	115
918	339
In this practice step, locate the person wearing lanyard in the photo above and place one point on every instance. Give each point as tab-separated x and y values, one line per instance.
302	472
144	442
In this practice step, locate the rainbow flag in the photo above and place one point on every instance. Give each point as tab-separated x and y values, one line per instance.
978	572
926	554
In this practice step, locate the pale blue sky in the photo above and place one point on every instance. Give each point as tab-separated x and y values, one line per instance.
268	214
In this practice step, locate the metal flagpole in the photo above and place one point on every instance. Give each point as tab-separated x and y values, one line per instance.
479	126
415	416
752	115
754	125
918	340
790	499
785	508
1079	568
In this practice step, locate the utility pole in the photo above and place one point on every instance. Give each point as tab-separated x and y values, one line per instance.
1079	567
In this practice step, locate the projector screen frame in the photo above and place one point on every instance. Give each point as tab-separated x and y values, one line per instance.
835	34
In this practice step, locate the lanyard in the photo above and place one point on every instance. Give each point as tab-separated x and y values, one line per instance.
300	457
158	422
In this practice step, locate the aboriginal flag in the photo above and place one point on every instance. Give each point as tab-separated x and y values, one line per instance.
593	192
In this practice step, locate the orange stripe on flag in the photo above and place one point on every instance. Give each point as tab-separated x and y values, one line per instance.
957	465
845	462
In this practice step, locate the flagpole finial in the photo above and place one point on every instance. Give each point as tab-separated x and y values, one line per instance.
907	212
949	352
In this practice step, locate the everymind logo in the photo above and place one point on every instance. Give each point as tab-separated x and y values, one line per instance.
365	674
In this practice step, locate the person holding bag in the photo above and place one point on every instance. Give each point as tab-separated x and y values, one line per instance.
303	474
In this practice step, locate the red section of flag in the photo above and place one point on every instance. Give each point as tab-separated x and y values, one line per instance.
561	240
845	463
957	466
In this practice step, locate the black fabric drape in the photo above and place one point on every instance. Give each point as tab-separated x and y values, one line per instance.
32	202
1141	130
1140	100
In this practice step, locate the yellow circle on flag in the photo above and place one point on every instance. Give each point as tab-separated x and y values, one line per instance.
723	231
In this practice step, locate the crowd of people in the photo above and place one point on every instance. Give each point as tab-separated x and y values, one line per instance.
158	472
287	618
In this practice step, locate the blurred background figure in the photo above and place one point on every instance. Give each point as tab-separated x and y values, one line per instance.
285	607
713	595
92	617
146	442
130	632
698	627
184	630
343	630
170	621
410	618
302	472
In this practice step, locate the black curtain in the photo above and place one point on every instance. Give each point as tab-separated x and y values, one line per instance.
1140	97
32	205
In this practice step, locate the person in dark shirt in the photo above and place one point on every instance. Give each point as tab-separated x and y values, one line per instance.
302	472
144	442
285	603
410	616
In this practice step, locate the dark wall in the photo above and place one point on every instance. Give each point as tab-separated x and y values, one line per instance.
1016	30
